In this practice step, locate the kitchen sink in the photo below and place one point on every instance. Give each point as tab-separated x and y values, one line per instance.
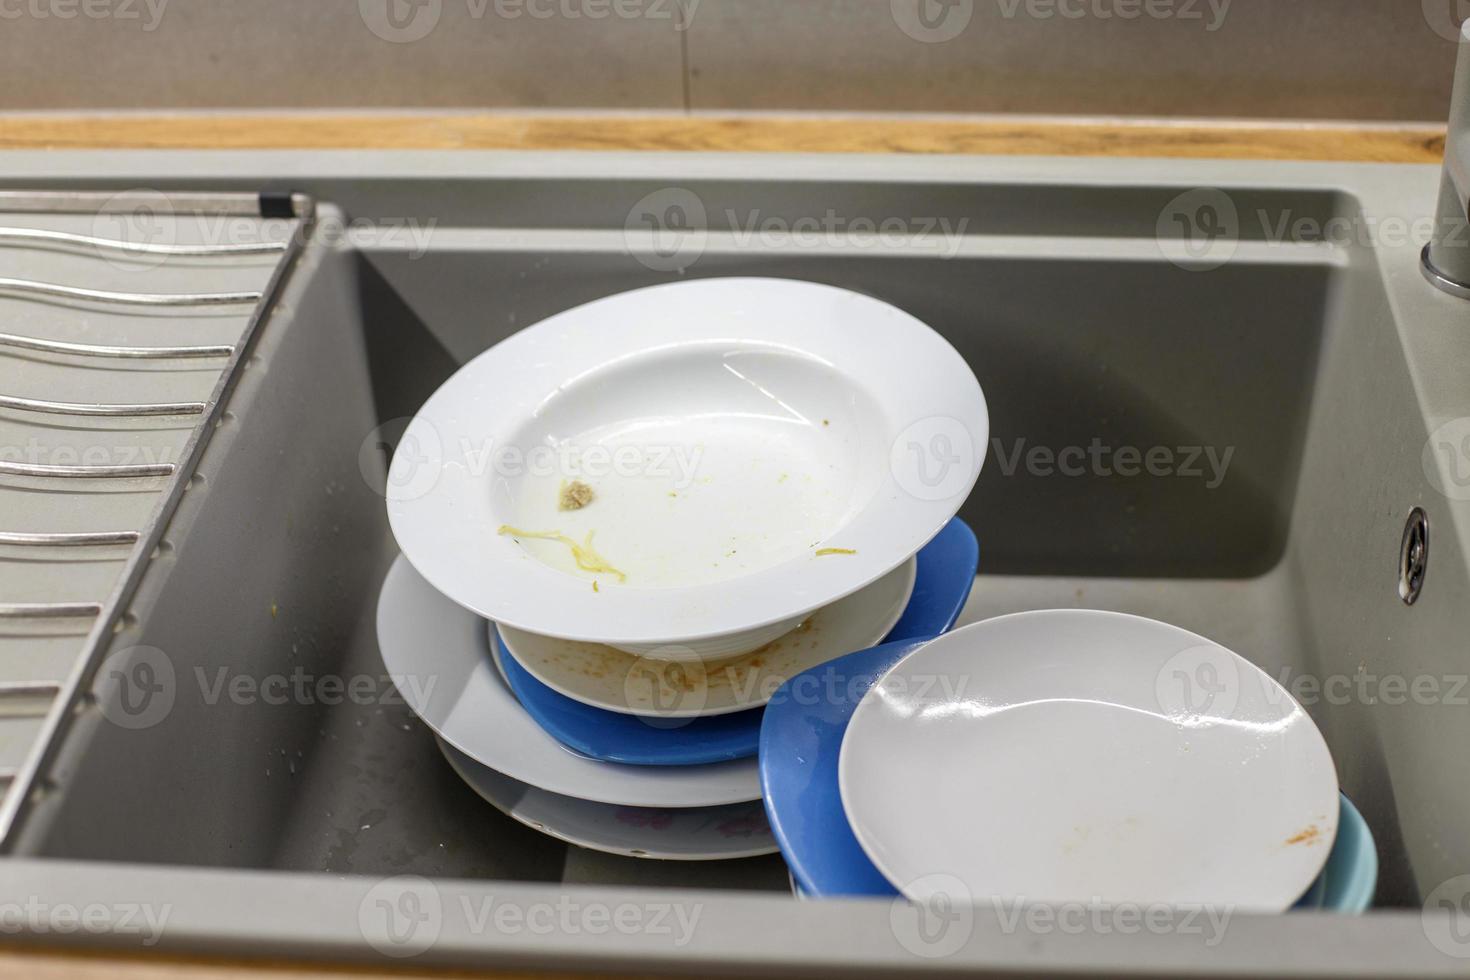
1221	393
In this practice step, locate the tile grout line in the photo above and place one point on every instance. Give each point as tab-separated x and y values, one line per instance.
686	83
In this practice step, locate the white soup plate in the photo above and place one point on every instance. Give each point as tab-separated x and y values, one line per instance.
755	449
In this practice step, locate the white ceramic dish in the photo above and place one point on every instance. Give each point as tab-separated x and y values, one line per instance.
756	448
1080	756
713	833
438	655
608	678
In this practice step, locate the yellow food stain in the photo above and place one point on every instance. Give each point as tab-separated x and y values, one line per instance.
1310	835
273	610
836	551
594	586
586	557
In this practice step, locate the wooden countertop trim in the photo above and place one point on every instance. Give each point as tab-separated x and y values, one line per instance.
1053	136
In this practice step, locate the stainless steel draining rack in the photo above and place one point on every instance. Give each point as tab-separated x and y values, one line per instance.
210	265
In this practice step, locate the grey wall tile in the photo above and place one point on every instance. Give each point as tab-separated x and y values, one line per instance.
309	53
1365	59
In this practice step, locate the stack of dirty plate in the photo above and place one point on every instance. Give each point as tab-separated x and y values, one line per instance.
626	528
1066	758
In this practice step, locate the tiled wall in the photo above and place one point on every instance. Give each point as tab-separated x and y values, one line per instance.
1365	59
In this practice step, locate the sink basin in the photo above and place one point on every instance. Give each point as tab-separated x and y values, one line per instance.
1231	447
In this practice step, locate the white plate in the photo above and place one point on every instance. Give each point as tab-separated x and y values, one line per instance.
608	678
732	430
438	655
1080	756
711	833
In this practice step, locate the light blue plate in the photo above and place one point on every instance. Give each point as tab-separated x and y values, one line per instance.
801	737
942	581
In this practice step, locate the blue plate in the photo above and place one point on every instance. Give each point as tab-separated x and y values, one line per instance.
942	581
801	737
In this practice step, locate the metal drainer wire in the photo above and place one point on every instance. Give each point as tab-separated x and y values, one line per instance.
43	705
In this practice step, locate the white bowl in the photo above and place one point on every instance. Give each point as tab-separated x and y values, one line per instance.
756	449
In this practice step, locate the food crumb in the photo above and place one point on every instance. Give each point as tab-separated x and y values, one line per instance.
574	496
594	586
836	551
826	422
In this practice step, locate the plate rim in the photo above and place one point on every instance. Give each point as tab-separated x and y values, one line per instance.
650	853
